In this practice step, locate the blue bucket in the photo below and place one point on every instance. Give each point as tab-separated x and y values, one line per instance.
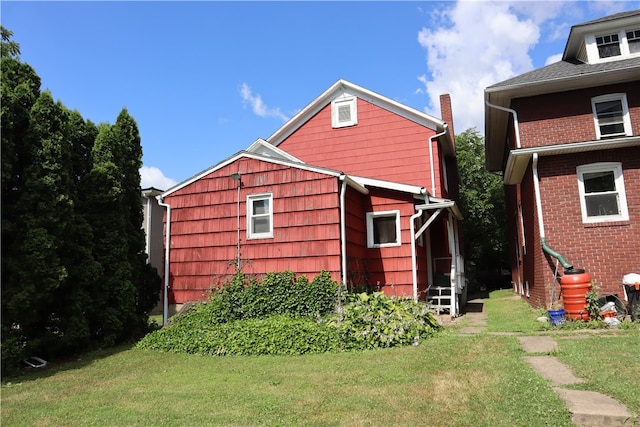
556	316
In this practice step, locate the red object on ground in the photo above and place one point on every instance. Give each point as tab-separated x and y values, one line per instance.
574	286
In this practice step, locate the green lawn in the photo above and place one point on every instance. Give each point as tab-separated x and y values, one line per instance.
449	380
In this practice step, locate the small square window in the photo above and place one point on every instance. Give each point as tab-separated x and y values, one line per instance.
344	112
608	45
383	229
602	194
259	216
611	115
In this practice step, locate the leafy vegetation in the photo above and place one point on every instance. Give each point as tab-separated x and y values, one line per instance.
482	203
285	314
74	274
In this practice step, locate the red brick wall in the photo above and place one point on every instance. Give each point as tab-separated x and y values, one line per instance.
565	117
606	251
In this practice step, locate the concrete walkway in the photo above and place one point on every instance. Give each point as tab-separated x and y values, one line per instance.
587	408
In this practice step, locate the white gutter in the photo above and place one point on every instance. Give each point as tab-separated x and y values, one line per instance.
433	172
165	311
516	127
414	266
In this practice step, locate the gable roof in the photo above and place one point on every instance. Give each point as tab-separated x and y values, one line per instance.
268	159
343	87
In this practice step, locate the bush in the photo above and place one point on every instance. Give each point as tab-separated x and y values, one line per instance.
288	315
276	335
376	320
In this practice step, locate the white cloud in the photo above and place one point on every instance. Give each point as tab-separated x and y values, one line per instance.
475	45
553	58
258	106
151	176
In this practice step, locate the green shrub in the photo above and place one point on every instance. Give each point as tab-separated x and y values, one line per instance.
275	335
376	320
283	314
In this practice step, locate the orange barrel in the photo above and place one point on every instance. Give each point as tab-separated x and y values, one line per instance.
574	286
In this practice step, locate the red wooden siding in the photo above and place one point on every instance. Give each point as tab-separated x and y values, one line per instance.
389	269
204	226
383	145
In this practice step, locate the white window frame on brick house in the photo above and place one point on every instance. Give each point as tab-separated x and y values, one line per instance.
344	112
626	40
257	213
373	223
601	120
617	193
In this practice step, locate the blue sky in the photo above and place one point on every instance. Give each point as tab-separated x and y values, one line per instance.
206	79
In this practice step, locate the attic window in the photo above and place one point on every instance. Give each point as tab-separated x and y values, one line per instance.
344	112
633	40
608	45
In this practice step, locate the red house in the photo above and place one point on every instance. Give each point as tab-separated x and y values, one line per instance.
355	184
567	139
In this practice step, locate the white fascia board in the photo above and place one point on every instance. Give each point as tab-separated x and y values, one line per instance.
277	152
444	204
390	185
244	154
344	87
518	160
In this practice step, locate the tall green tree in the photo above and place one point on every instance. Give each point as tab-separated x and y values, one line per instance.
44	214
483	207
129	159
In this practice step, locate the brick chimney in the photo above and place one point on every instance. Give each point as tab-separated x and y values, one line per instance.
447	114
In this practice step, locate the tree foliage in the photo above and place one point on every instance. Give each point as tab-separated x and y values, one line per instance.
483	206
74	272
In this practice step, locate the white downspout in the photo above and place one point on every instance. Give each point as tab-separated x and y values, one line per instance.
165	311
148	228
516	127
414	267
343	231
431	163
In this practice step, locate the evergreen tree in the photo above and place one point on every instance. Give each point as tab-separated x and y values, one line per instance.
44	213
130	161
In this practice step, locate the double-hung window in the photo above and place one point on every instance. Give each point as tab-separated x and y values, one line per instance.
260	216
383	229
611	115
608	45
633	41
602	195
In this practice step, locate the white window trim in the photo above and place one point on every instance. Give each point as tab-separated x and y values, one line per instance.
370	237
592	46
350	101
614	167
250	215
626	120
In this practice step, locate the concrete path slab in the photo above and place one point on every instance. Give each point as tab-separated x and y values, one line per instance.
589	408
538	344
551	369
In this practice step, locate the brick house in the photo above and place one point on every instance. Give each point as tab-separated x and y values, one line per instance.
566	138
355	184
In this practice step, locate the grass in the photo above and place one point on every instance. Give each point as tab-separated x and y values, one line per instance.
449	380
507	313
479	380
